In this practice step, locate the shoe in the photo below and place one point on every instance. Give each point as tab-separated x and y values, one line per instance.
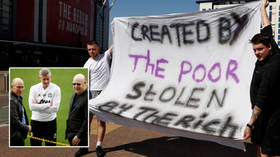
99	151
81	151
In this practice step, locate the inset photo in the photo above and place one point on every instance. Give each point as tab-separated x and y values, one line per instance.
48	107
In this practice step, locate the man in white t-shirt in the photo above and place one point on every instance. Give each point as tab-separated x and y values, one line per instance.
44	100
99	75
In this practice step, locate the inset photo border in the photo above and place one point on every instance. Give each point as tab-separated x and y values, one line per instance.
46	99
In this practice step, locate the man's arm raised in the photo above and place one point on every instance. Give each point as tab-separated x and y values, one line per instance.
264	16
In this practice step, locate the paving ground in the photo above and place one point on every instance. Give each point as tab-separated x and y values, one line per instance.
122	141
4	101
4	108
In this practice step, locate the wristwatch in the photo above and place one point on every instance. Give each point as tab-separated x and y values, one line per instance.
250	126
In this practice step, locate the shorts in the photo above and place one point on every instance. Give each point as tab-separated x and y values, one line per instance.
266	134
271	142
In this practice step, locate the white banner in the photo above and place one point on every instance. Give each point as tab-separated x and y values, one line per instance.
183	74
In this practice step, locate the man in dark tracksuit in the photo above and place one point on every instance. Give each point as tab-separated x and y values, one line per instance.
77	122
19	125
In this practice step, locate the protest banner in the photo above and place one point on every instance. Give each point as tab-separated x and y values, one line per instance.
184	74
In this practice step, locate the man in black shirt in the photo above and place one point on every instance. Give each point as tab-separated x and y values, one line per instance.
264	124
77	122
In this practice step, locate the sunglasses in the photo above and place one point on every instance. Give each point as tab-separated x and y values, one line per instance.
78	84
20	87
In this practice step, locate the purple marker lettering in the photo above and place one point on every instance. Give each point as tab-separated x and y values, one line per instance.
200	66
183	71
158	69
231	70
210	77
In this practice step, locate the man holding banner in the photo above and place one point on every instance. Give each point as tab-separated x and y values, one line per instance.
99	74
264	124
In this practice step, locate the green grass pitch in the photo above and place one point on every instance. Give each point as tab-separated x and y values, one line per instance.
62	77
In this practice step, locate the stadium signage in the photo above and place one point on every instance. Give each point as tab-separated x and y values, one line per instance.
72	19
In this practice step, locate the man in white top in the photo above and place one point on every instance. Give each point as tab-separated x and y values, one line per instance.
99	75
44	100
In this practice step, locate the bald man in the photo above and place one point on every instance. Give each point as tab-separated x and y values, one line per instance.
77	122
19	125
